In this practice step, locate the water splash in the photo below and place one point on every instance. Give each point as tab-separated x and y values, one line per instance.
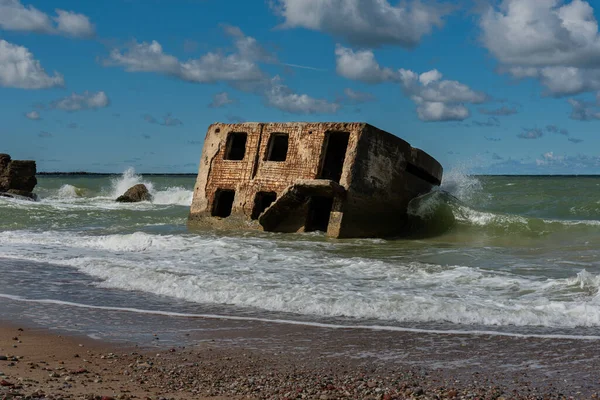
175	195
127	180
70	192
460	184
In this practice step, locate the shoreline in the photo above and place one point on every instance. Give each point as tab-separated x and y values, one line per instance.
243	359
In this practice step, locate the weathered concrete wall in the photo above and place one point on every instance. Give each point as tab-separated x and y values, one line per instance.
387	173
254	173
380	175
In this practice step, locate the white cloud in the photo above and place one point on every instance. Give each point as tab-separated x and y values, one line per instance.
74	24
240	65
584	110
361	66
220	100
18	69
364	22
33	115
555	42
14	16
85	101
283	98
239	68
436	99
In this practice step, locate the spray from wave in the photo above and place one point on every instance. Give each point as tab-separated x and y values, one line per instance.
174	195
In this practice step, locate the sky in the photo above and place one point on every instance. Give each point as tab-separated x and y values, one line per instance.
493	87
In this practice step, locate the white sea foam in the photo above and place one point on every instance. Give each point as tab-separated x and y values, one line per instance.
304	278
173	195
301	323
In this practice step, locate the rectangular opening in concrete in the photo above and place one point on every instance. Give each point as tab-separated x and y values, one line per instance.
278	147
336	144
236	146
261	202
223	203
319	210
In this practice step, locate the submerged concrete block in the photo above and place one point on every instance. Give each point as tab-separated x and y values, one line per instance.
347	179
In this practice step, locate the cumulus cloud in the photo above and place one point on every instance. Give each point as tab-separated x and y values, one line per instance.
33	115
19	69
44	134
575	140
579	162
84	101
492	139
167	120
553	41
14	16
534	133
436	99
582	110
239	68
358	97
282	97
369	23
361	66
221	100
240	65
499	112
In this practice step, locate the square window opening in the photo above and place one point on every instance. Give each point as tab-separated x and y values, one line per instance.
223	203
278	147
262	201
335	145
236	146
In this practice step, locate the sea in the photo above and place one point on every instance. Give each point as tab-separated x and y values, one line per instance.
494	255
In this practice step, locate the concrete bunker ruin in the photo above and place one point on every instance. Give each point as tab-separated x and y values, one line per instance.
346	179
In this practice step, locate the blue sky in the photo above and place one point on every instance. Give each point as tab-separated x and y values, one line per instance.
508	86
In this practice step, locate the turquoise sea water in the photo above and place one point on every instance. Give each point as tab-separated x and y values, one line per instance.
505	254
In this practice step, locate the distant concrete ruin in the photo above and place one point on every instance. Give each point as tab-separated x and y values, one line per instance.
346	179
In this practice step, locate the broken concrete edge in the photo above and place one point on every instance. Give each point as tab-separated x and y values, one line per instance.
380	172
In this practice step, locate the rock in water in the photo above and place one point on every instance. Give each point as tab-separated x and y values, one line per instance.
135	194
17	176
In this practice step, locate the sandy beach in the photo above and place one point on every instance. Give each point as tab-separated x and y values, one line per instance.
261	360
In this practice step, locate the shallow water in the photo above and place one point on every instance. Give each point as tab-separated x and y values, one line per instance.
515	255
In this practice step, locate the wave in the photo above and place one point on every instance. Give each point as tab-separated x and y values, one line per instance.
302	278
172	314
69	195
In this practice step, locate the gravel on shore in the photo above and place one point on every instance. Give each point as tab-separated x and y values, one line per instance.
37	364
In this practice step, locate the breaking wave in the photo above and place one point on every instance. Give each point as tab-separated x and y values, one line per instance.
302	278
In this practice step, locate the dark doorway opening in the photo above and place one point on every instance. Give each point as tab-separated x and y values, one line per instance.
335	153
223	202
236	146
278	147
319	210
262	201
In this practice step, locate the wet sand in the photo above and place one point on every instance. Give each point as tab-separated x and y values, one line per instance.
245	359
